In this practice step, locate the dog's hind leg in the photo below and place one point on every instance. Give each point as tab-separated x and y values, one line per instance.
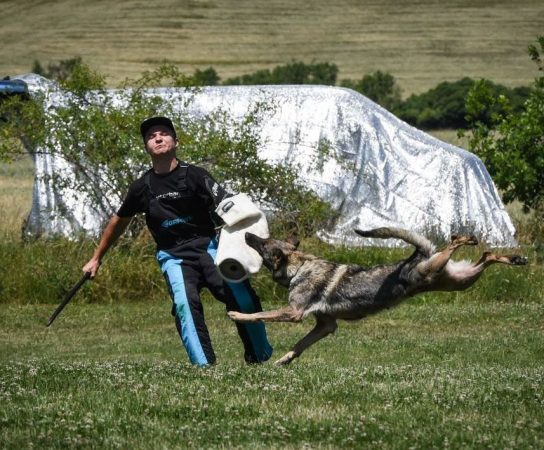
462	275
439	260
472	273
324	326
489	258
287	314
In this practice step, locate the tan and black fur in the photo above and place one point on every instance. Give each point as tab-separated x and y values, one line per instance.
332	291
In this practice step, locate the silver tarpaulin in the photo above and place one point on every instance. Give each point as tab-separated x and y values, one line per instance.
385	172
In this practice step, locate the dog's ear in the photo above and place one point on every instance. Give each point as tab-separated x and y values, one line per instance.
293	240
278	258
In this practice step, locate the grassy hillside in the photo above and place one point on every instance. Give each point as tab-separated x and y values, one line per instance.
420	42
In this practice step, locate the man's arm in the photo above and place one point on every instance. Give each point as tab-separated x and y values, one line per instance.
115	228
209	190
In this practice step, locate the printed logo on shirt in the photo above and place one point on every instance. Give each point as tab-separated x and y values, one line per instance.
171	222
169	195
215	190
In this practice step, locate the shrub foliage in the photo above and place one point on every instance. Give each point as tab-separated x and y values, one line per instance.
511	143
506	128
380	87
102	141
440	107
292	73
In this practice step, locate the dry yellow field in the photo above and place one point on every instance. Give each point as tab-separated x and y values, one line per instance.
420	42
15	196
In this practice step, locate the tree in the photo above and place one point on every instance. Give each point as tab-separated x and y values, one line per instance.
440	107
206	77
510	143
100	139
59	71
292	73
378	86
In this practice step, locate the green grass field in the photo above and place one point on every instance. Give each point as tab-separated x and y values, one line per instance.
452	373
420	42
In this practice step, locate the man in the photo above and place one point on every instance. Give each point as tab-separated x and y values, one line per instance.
178	200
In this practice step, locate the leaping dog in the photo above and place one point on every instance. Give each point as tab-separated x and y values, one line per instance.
332	291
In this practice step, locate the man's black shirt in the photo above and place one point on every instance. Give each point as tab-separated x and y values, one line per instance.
178	207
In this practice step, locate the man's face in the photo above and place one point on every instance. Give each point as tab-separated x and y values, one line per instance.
160	140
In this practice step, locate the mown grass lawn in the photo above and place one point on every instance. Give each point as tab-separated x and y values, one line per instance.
437	372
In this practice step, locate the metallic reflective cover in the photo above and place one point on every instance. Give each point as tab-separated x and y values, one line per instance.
392	174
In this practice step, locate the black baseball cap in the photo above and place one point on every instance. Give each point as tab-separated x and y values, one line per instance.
152	121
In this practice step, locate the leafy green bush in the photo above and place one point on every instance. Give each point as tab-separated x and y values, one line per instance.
440	107
510	142
103	143
293	73
230	149
378	86
444	105
206	77
59	71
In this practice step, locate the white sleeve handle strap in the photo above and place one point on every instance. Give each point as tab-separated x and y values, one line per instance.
237	208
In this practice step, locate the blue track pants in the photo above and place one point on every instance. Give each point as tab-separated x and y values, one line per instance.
185	279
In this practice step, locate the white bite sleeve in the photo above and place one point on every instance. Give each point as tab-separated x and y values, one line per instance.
235	260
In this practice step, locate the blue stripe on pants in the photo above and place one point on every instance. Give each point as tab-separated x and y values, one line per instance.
255	331
171	268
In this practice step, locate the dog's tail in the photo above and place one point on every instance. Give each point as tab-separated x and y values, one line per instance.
421	243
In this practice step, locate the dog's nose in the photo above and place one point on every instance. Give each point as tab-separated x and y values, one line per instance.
253	239
250	236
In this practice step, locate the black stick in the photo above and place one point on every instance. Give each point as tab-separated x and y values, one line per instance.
68	297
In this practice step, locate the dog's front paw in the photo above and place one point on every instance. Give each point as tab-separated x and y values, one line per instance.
241	317
234	315
286	359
